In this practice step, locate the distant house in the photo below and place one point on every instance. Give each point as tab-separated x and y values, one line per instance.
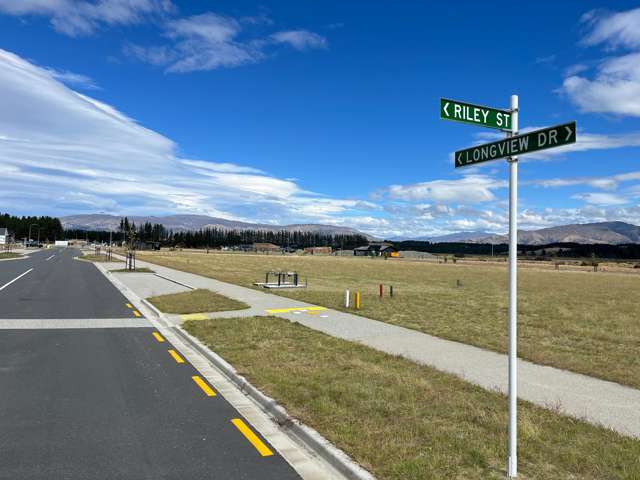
375	249
318	250
265	248
5	236
140	245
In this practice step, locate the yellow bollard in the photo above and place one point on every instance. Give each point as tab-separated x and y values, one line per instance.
357	300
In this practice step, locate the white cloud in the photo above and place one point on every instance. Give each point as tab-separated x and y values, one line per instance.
575	69
300	39
613	29
599	198
74	79
469	189
63	152
605	183
615	87
210	41
220	167
83	17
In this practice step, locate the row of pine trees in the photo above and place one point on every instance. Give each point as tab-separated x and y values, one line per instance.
48	229
217	237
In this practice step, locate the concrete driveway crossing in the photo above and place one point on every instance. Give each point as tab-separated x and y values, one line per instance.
90	390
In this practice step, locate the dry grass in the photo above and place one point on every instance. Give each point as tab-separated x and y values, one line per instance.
404	421
5	255
581	321
196	301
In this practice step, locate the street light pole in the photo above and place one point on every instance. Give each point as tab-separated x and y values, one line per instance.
30	230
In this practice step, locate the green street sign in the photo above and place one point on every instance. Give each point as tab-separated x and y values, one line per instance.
520	144
474	114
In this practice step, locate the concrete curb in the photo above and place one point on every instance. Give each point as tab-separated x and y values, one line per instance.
23	257
307	436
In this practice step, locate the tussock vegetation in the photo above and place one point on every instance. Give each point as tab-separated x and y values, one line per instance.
582	321
196	301
403	421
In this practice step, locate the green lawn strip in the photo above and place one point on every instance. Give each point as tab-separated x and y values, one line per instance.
196	301
95	258
403	421
137	270
585	322
5	255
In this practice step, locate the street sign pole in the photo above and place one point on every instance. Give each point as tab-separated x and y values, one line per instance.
513	298
509	148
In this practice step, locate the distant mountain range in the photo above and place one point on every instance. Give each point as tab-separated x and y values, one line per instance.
194	222
451	237
613	233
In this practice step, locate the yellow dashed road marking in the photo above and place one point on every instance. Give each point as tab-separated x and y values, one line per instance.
194	316
176	356
129	305
295	309
203	385
252	437
158	337
137	313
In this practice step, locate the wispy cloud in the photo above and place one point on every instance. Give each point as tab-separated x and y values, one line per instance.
207	41
610	182
600	198
300	39
83	17
77	80
548	60
210	41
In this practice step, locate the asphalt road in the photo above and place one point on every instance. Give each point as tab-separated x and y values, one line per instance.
108	403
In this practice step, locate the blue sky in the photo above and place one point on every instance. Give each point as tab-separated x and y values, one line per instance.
315	112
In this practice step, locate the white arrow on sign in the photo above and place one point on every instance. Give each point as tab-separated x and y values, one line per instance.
460	159
446	105
569	133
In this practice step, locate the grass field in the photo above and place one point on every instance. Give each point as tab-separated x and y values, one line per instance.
403	421
196	301
583	321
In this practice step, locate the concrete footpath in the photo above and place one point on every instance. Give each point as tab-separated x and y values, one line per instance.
597	401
